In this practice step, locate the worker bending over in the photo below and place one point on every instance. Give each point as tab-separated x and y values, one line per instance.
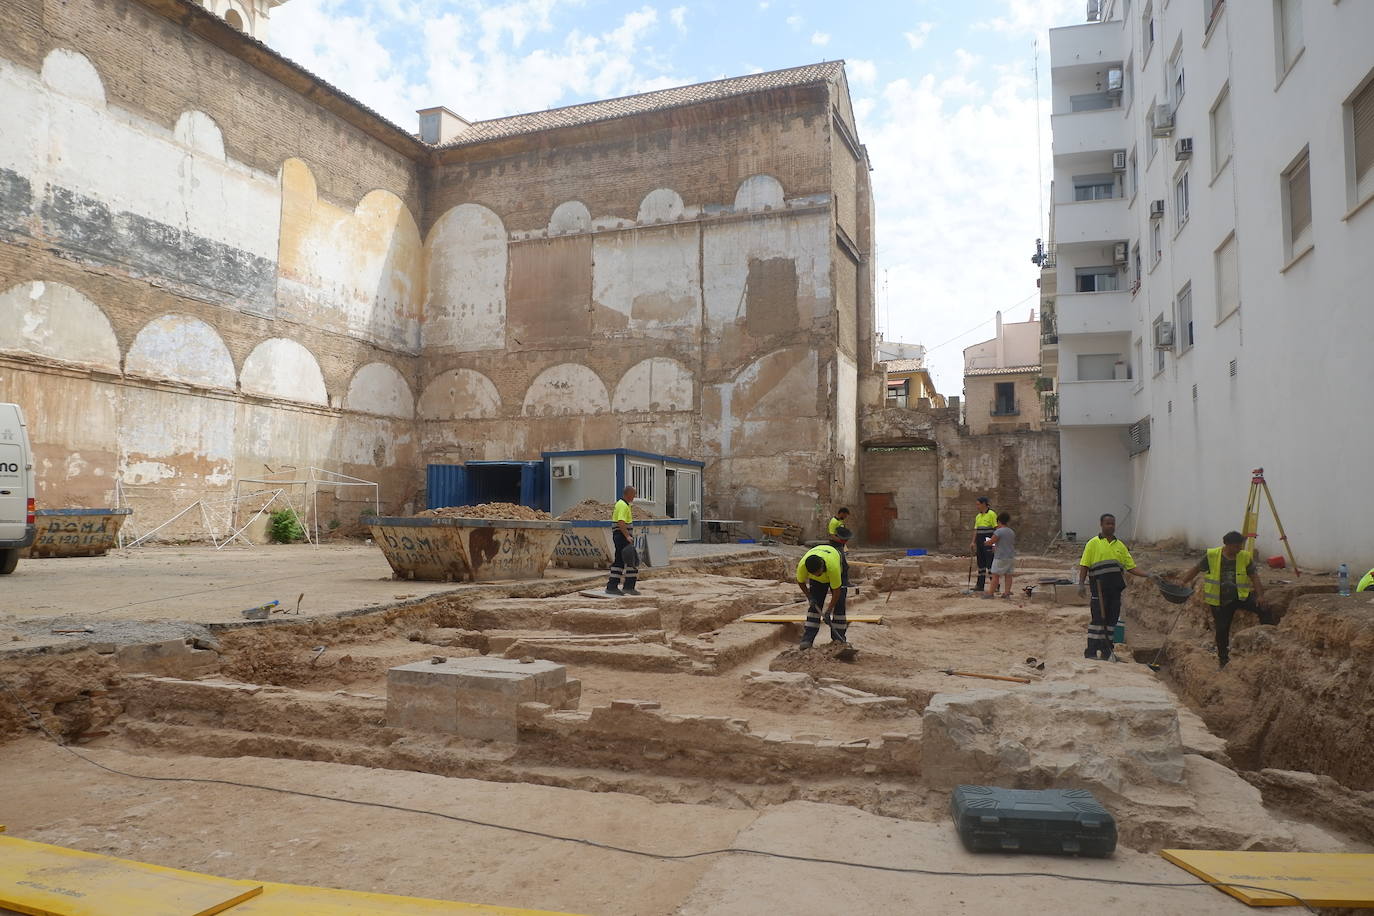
1231	585
1367	583
984	524
819	572
1104	564
625	562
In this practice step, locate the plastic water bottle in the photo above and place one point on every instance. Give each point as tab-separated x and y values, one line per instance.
1343	580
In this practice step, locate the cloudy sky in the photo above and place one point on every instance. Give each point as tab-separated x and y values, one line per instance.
944	91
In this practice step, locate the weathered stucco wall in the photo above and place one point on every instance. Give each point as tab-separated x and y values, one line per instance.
1017	471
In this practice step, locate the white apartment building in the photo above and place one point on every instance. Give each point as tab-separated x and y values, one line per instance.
1213	306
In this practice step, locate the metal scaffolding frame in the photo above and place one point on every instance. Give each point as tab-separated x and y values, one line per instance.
314	479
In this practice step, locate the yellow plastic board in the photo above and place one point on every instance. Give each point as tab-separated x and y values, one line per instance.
801	618
1321	879
294	900
48	880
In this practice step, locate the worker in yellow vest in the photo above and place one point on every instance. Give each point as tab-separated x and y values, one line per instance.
1102	570
838	521
819	572
1231	585
984	524
1367	583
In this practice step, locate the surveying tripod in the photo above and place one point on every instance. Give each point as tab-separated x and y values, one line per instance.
1250	527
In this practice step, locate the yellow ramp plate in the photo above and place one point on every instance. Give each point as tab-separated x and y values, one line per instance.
801	618
54	881
1321	879
294	900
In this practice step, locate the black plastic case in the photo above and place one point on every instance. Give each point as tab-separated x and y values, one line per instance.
1059	821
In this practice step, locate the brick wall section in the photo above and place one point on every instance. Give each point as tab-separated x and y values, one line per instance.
912	477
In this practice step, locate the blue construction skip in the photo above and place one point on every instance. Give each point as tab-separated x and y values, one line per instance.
523	483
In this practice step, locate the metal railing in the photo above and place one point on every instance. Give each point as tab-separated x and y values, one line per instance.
1004	409
1049	407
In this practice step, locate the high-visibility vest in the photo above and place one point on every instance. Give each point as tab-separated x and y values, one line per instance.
1367	583
985	522
1211	586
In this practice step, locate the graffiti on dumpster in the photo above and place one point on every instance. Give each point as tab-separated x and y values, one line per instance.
58	532
573	545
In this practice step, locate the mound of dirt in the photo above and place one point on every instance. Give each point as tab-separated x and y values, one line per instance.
593	510
488	510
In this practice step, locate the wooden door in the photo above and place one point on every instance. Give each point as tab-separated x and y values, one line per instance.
881	510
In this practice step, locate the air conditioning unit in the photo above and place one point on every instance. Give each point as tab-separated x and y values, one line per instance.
1183	148
1164	120
563	470
1119	253
1114	84
1156	209
1094	10
1164	335
1119	161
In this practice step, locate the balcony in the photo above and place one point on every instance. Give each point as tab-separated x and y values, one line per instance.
1049	407
1081	132
1098	221
1105	403
1094	43
1094	313
1004	409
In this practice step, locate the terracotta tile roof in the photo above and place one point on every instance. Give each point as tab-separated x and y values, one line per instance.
904	365
663	99
1004	370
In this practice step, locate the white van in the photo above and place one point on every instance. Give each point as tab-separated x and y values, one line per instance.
17	527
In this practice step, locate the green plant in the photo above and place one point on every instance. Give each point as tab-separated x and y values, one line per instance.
284	526
334	524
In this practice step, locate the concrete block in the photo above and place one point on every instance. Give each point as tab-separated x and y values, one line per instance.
471	697
173	658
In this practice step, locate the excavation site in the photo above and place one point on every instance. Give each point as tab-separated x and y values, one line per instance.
537	745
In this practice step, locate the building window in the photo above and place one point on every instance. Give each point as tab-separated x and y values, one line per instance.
1139	364
1181	200
1149	134
1156	329
1096	279
1176	80
1211	9
1004	399
898	392
1156	242
1221	130
1225	260
1147	32
1137	273
643	478
233	18
1287	34
1359	117
1297	186
1134	173
1185	318
1094	187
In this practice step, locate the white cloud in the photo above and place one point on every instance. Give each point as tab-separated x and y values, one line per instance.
678	15
917	36
795	21
861	72
763	5
1027	17
820	38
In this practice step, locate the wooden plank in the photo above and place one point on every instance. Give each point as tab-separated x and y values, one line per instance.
297	900
45	880
801	618
1332	879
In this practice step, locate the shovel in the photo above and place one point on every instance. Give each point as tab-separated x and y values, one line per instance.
990	677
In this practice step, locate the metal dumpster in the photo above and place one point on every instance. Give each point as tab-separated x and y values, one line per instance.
471	549
77	532
588	545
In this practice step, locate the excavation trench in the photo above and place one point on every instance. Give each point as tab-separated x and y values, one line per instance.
673	698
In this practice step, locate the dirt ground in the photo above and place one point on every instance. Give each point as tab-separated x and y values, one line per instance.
735	739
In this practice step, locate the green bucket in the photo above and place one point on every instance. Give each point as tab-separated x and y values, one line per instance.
1119	634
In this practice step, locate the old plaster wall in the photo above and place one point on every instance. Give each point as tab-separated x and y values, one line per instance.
980	391
1017	471
184	304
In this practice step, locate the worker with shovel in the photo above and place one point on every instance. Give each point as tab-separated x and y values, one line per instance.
1105	563
1231	585
821	571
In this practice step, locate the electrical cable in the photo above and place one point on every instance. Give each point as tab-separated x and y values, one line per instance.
625	850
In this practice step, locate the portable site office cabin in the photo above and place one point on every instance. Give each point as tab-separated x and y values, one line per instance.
524	483
668	487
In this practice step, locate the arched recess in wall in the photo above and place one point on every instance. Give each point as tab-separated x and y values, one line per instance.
378	388
358	271
781	384
568	389
200	132
759	192
181	348
465	305
71	73
662	205
570	216
655	384
460	394
281	368
54	321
